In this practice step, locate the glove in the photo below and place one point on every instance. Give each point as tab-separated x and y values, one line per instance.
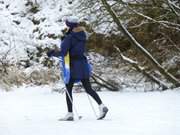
50	53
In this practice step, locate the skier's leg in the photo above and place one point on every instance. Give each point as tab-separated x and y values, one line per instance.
103	109
69	87
90	91
69	116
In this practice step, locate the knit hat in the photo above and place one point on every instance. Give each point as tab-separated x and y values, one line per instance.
72	22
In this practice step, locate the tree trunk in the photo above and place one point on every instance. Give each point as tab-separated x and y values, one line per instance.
138	46
104	83
141	70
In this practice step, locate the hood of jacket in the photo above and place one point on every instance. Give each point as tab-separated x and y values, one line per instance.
79	33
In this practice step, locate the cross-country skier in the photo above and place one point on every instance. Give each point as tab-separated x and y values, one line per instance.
75	42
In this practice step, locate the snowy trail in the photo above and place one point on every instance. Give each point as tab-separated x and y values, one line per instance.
34	111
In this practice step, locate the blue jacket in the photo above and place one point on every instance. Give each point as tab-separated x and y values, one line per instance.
74	43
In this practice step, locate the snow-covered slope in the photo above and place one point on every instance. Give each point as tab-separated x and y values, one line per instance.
30	23
36	110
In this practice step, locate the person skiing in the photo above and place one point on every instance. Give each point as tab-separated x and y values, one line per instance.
74	43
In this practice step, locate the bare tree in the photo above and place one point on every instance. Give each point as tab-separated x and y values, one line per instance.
139	47
117	13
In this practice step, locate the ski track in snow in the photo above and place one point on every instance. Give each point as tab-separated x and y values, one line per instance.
36	110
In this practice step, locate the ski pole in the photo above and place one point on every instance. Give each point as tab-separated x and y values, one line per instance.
92	106
79	117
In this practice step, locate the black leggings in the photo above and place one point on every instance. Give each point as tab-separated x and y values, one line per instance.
86	84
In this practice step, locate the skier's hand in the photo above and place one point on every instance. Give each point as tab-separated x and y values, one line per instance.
50	53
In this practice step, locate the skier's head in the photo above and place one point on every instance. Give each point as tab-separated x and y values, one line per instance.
72	22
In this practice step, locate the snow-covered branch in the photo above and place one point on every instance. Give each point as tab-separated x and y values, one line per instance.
139	47
172	7
166	24
142	70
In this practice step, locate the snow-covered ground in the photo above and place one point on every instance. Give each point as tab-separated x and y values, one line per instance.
36	110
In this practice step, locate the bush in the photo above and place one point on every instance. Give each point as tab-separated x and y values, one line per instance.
16	77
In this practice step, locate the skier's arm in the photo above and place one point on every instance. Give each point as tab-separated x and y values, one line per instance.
54	52
65	45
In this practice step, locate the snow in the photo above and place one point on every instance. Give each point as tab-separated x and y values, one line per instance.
16	38
36	110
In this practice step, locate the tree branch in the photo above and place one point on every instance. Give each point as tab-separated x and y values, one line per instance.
139	47
141	70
